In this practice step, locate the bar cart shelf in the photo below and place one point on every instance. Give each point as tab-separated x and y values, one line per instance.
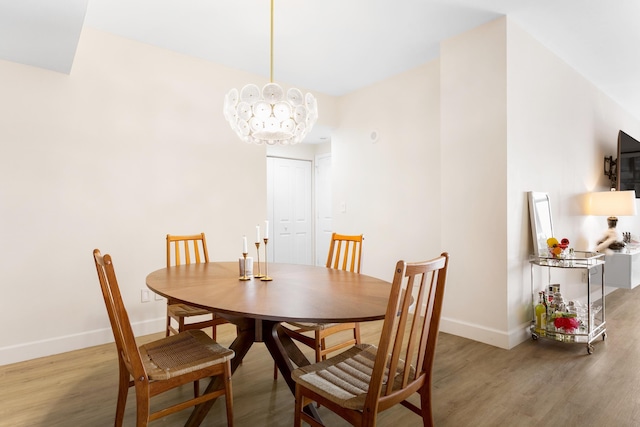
594	324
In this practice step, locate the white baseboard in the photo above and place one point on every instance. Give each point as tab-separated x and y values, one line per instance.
485	335
62	344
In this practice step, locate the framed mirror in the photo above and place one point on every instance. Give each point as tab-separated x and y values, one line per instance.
541	222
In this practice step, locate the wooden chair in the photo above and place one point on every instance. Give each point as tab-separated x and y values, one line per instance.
160	365
345	253
195	250
355	384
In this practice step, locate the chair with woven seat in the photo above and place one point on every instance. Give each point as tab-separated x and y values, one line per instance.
357	384
160	365
195	250
345	253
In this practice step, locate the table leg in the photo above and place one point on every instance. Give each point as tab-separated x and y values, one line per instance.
283	351
241	345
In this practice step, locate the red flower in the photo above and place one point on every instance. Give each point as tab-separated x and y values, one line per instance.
567	323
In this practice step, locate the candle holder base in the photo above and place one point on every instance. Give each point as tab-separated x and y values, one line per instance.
266	279
244	278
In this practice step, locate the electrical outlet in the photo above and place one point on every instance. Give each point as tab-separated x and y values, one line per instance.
145	295
158	297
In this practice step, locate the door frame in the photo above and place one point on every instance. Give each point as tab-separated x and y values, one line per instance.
320	247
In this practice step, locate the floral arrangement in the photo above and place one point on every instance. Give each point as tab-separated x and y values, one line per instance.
555	247
569	324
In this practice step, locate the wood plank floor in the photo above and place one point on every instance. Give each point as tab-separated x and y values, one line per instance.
538	383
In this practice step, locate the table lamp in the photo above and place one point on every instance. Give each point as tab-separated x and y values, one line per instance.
613	204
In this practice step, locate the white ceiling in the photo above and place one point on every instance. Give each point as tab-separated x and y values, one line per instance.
331	46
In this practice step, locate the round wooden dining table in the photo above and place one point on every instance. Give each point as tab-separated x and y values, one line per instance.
300	293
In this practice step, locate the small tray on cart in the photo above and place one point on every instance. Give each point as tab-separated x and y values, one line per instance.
579	259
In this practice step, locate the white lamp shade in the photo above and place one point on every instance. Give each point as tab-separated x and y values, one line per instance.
611	203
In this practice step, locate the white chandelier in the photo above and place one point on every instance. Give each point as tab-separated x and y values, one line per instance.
270	116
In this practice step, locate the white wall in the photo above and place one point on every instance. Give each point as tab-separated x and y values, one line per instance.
474	216
130	146
391	188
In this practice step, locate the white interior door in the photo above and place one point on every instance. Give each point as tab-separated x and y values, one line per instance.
324	219
289	198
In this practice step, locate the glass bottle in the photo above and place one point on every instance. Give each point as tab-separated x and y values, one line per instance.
541	314
551	310
572	256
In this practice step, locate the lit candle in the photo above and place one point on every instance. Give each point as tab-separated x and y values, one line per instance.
244	245
257	234
266	229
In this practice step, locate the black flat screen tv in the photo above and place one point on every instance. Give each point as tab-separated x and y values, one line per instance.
628	164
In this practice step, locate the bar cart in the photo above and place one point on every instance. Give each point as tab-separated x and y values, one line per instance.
587	322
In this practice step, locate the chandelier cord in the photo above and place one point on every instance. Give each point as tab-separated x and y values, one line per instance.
271	47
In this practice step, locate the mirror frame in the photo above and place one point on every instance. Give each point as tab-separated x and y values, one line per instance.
541	221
